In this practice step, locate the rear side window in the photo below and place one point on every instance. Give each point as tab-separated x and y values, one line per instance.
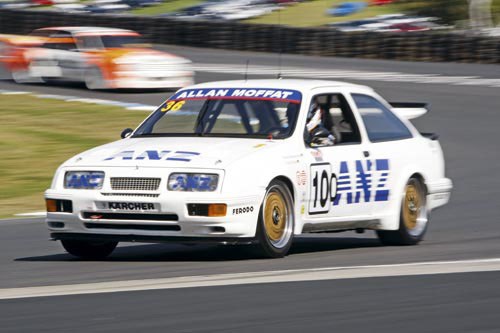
381	124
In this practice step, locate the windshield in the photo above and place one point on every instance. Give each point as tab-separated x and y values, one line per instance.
110	41
226	112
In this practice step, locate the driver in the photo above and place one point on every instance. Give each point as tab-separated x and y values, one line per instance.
315	123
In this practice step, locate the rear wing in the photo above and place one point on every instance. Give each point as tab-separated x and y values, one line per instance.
409	110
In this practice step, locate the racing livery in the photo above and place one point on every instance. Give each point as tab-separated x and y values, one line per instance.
102	58
237	162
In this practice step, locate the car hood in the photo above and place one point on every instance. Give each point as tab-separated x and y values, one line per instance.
192	152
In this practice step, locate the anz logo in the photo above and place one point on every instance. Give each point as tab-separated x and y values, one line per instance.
154	155
362	181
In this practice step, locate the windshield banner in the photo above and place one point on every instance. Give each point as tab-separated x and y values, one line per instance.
283	95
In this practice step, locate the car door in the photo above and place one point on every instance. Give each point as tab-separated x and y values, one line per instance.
391	148
339	174
62	58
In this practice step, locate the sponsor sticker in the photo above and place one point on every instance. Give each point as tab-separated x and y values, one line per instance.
133	206
154	155
301	178
242	210
284	95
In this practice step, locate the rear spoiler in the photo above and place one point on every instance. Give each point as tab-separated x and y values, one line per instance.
410	110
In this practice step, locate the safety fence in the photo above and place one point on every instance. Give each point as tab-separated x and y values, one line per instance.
415	46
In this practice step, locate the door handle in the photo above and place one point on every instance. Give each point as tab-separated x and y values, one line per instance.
366	153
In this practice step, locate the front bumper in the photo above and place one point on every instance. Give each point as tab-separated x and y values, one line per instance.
169	221
152	239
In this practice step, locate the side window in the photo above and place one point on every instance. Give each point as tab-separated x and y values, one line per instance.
89	42
343	120
381	124
336	117
60	41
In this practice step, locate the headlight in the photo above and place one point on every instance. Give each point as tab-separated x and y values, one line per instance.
88	180
194	182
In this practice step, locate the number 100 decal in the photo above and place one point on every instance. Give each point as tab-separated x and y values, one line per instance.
323	190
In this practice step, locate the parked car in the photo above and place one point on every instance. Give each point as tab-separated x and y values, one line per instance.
347	8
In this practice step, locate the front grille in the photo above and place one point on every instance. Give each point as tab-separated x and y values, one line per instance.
148	195
129	216
135	184
150	227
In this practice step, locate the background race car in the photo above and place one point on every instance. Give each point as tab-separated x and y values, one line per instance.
102	58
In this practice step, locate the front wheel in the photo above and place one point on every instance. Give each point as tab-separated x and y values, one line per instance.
276	221
413	218
89	249
24	76
94	79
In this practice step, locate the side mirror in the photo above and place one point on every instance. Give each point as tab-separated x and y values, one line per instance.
126	133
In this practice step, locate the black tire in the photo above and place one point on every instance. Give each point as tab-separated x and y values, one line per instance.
89	249
413	217
276	221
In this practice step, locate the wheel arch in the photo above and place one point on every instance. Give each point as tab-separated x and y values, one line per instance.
391	221
288	183
421	178
296	202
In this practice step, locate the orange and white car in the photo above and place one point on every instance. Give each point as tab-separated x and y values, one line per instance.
102	58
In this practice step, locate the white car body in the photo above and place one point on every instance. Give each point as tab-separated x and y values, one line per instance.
246	167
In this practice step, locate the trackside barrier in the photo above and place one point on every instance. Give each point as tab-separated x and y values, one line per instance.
420	46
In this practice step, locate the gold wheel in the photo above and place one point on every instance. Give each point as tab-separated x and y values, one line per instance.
275	216
413	216
276	221
411	206
414	209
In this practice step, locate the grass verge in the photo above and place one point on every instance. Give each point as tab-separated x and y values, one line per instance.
166	7
37	135
313	13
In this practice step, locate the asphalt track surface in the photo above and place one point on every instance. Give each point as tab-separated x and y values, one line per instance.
467	119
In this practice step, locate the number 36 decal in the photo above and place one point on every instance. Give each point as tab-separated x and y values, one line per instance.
323	190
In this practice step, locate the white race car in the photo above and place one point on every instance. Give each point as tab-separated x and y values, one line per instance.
240	162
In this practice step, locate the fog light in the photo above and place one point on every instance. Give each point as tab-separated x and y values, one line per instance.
59	206
51	205
217	210
211	210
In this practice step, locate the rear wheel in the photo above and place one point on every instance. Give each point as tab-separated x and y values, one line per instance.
413	219
89	249
276	221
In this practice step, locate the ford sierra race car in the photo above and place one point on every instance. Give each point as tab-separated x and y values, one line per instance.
238	162
102	58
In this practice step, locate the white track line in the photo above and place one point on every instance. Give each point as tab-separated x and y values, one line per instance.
32	214
297	275
319	73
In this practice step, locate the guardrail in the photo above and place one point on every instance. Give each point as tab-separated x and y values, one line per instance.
415	46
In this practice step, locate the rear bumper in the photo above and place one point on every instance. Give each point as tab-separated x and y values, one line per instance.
439	192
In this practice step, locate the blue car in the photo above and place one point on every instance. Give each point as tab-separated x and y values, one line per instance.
347	8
